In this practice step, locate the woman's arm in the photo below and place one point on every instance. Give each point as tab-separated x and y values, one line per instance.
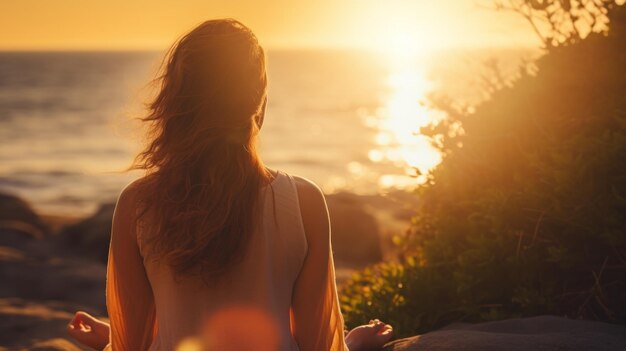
129	297
317	323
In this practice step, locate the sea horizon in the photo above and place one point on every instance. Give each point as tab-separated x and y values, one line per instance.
348	121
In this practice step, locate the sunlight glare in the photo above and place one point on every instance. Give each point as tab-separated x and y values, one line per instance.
402	116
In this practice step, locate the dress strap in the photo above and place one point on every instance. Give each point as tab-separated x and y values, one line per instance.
287	217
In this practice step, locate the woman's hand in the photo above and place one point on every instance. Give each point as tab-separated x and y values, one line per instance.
89	331
370	337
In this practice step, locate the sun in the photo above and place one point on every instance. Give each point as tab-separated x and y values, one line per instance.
403	44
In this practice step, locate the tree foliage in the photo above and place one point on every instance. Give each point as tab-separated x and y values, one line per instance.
559	22
526	214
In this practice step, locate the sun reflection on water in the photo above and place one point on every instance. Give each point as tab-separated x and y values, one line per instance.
398	123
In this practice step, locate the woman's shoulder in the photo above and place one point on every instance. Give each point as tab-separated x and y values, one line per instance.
132	191
133	187
308	192
313	209
307	187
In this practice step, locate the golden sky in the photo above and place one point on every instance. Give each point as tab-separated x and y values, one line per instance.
154	24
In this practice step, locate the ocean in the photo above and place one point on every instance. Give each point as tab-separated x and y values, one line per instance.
348	120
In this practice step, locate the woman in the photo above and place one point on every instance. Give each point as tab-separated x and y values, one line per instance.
210	249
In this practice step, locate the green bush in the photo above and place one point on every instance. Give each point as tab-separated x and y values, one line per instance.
526	214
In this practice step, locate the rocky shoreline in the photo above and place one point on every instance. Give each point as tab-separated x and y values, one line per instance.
44	282
51	266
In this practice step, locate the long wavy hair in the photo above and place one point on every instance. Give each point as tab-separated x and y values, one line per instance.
203	171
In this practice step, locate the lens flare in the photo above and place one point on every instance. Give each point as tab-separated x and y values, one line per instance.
240	328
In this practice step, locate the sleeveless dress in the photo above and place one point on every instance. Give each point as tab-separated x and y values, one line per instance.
259	305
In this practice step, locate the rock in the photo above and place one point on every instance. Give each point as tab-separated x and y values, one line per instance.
18	221
355	233
91	236
40	289
38	269
527	334
31	325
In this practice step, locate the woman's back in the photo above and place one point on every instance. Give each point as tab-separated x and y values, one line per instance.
256	291
282	296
